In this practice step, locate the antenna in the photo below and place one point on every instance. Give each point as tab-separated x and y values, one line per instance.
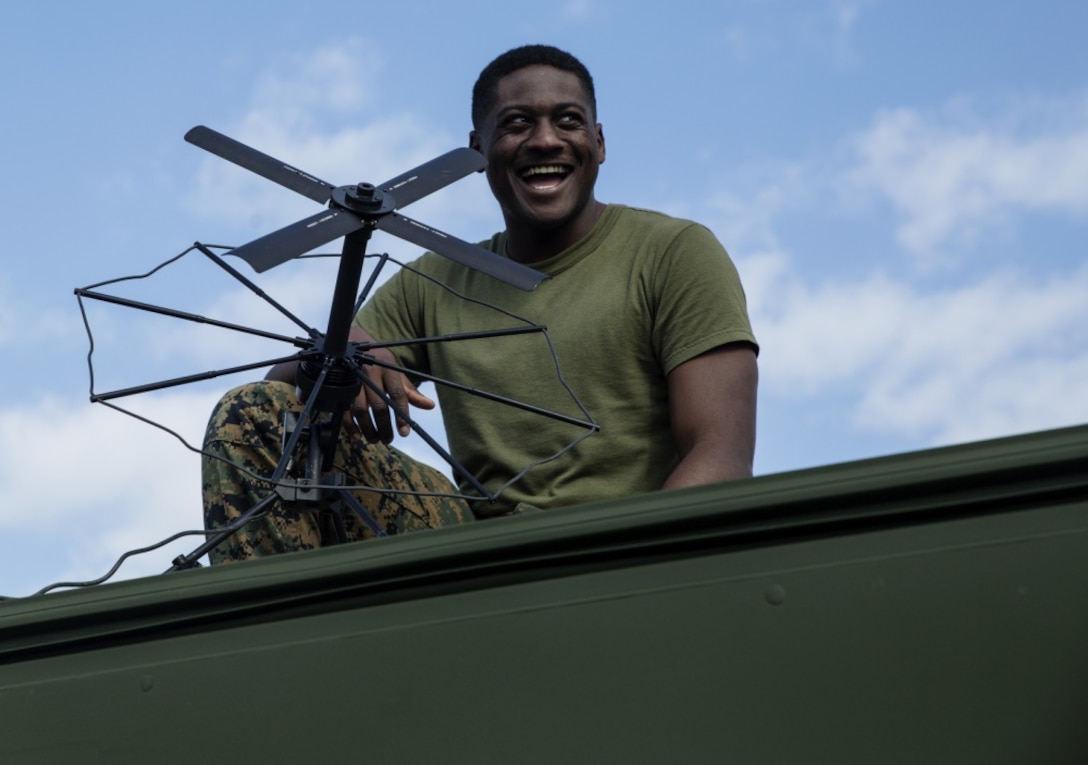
362	206
331	369
330	375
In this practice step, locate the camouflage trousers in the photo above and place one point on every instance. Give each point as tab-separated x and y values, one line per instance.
242	446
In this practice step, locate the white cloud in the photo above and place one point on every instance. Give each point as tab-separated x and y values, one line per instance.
749	220
104	457
844	16
949	176
738	41
52	314
332	78
9	321
1005	354
1002	350
84	484
315	119
579	10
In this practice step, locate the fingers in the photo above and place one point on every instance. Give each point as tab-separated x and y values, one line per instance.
357	420
379	409
372	414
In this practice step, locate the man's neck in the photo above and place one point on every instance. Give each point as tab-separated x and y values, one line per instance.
532	245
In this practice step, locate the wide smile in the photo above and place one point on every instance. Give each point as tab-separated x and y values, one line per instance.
544	177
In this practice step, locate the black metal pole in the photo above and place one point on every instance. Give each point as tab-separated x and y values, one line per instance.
342	312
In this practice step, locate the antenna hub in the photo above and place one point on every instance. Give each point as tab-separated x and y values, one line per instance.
363	199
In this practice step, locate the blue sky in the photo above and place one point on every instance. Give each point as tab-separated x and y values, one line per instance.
903	186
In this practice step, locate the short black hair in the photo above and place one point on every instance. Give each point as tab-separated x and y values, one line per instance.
485	90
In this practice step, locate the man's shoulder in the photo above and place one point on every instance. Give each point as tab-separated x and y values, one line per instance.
655	220
658	230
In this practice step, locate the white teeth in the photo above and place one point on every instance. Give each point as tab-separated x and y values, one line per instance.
544	170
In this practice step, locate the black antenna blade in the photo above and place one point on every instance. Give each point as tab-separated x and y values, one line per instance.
460	251
261	164
434	175
291	241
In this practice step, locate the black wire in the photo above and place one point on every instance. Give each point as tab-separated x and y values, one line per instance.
116	566
591	426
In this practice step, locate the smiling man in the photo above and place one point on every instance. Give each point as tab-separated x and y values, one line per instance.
537	127
645	312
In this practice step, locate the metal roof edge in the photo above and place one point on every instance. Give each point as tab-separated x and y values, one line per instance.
1009	474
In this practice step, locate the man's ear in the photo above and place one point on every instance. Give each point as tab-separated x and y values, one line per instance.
600	144
474	141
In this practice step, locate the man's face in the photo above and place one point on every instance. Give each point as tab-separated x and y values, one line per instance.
543	149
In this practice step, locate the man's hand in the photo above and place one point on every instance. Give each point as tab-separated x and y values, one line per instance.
369	415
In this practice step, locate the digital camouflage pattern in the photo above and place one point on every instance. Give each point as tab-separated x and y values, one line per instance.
246	431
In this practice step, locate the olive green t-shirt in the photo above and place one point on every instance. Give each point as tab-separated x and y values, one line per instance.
638	296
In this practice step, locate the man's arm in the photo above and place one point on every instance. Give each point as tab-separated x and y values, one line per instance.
712	407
